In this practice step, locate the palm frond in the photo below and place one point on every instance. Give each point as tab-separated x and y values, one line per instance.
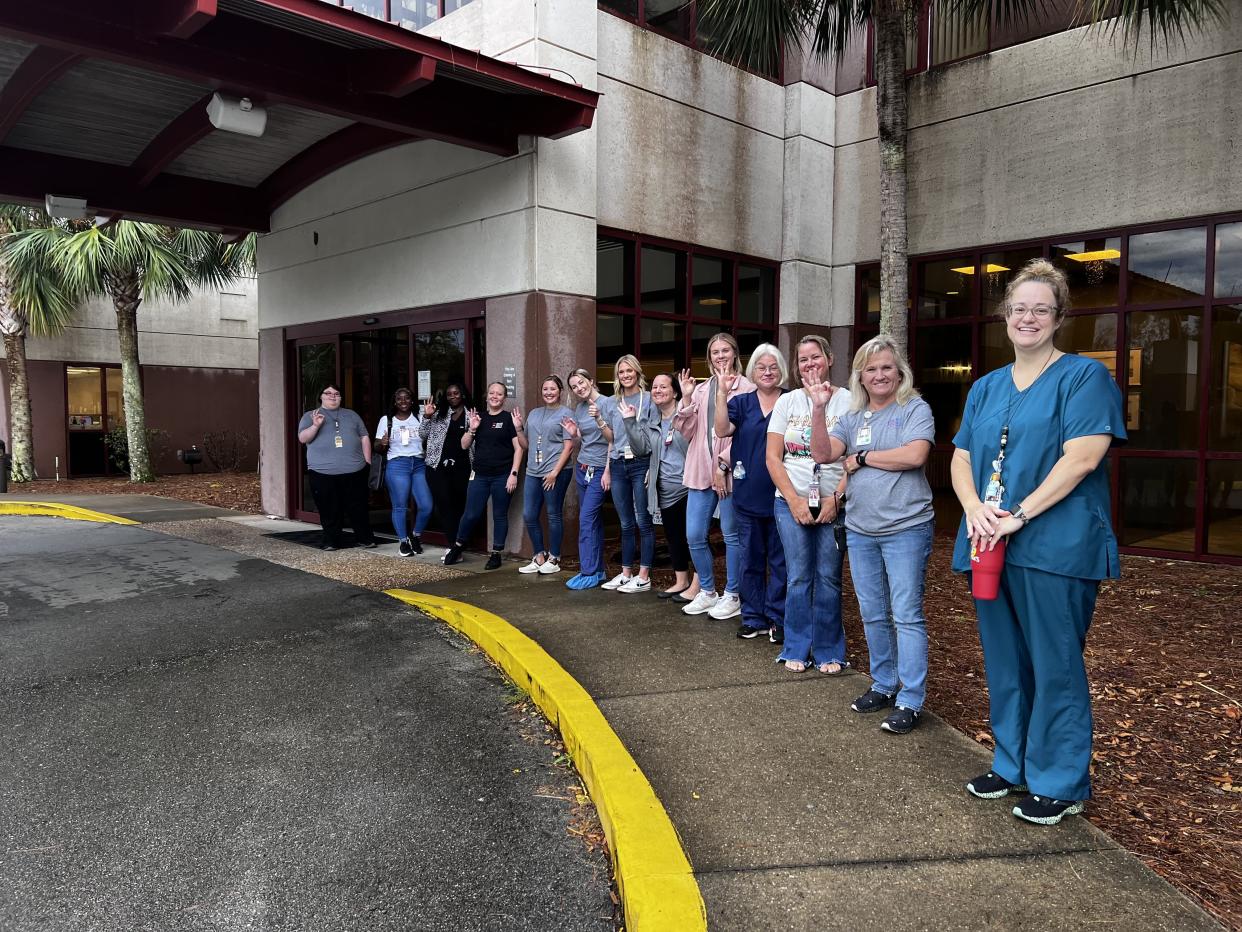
753	32
37	286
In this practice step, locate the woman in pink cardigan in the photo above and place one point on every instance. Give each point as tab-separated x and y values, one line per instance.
709	477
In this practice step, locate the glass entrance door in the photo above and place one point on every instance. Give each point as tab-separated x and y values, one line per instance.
92	408
316	367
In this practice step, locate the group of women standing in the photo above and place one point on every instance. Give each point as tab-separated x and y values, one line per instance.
797	478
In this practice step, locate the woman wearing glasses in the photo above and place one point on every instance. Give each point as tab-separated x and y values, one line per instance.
338	461
1029	468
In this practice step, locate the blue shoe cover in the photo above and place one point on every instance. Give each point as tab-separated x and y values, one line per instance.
582	581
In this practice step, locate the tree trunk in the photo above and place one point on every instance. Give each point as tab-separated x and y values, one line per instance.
890	79
126	296
22	469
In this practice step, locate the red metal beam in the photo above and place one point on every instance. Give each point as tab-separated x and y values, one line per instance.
39	69
178	19
327	155
174	139
26	176
390	71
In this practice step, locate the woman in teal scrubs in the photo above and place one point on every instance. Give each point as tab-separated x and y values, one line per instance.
1029	468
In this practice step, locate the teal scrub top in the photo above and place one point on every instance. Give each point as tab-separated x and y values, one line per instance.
1074	397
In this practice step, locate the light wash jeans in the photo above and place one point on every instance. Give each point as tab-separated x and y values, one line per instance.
629	495
534	496
813	590
888	573
407	475
700	504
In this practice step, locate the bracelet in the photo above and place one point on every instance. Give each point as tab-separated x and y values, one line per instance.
1020	513
861	457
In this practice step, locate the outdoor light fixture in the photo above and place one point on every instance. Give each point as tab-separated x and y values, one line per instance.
59	207
369	321
1094	256
236	115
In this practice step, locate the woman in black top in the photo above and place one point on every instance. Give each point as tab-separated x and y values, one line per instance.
448	468
492	439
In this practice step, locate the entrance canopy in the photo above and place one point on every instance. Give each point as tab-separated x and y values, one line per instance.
109	102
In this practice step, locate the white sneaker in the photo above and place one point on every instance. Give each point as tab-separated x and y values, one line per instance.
636	585
531	567
550	565
702	603
617	581
727	606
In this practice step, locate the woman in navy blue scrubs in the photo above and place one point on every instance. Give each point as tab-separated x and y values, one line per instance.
745	418
1029	467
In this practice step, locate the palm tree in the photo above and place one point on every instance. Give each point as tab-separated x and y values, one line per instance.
753	32
128	262
38	305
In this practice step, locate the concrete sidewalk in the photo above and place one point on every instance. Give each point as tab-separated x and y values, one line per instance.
800	814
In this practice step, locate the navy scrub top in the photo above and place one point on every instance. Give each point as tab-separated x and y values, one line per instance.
1074	397
755	495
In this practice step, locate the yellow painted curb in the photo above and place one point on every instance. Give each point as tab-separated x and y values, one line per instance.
658	889
57	510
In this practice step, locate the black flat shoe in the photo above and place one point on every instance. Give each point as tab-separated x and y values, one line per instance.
668	595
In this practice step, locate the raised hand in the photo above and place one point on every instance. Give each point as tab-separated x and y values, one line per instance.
687	382
473	419
626	409
570	426
819	392
725	383
429	408
517	418
593	410
317	418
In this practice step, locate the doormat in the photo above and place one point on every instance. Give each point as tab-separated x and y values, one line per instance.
315	539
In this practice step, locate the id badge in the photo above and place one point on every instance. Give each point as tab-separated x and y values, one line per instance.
627	453
340	441
471	476
404	436
864	436
812	496
538	457
668	438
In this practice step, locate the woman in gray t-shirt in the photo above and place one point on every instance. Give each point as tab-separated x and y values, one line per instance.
885	438
338	462
548	451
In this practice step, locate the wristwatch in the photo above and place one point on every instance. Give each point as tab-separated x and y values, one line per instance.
722	466
514	473
1020	513
861	457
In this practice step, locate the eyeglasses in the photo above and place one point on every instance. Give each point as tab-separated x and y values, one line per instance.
332	394
768	370
1041	311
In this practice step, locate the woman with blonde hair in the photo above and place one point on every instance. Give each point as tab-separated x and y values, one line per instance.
629	471
708	476
885	437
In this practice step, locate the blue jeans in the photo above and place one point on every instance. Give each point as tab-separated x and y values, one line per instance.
407	475
480	489
590	527
763	571
888	573
699	507
813	595
533	498
629	494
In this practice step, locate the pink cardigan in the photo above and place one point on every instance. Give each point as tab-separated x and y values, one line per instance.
691	420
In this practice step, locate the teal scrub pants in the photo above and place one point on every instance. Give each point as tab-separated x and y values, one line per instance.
1033	636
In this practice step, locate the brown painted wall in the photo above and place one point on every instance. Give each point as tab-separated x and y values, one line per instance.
189	403
47	410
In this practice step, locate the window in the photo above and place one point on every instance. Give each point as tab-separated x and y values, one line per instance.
411	14
684	294
1158	307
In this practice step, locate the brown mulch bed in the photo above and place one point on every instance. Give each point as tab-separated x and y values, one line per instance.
238	491
1165	659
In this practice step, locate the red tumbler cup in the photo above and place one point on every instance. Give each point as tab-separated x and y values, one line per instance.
985	570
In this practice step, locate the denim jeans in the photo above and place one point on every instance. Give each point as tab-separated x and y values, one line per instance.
813	593
590	527
763	571
406	476
629	494
534	496
699	507
480	489
888	572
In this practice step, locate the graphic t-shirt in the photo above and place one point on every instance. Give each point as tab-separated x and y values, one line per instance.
493	444
791	418
404	440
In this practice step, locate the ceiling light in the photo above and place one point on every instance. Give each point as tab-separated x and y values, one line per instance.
1094	256
990	267
964	270
711	302
236	115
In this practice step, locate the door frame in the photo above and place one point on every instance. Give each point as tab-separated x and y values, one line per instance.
293	385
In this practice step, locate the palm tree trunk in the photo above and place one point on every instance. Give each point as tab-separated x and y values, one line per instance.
890	79
126	296
22	468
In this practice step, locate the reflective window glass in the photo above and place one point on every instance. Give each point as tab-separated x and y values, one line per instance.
711	287
870	294
627	8
671	17
1093	268
747	340
1225	391
1228	276
998	269
113	397
664	280
614	271
944	288
756	294
944	375
1158	500
1224	507
954	35
663	346
415	14
370	7
1167	266
1092	335
700	334
1162	372
614	337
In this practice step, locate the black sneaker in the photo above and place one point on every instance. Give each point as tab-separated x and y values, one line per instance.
452	555
901	721
493	562
746	632
871	701
991	786
371	544
416	543
328	548
1044	811
776	634
404	549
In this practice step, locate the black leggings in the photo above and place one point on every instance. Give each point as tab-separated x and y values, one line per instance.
342	498
674	517
448	493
